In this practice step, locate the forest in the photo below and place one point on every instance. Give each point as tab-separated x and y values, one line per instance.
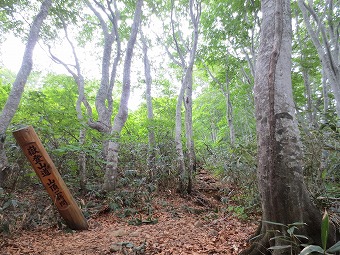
177	127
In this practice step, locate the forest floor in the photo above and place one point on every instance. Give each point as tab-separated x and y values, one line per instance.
194	224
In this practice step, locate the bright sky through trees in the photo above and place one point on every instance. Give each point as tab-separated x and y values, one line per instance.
11	53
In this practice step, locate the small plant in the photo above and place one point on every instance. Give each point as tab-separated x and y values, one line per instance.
288	237
238	211
312	249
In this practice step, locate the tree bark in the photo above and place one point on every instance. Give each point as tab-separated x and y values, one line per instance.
18	86
185	96
80	81
181	170
230	115
326	44
111	171
104	101
151	132
195	14
284	196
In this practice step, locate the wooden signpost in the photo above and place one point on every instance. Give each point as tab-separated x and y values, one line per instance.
50	177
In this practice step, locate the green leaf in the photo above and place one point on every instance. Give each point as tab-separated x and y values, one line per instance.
297	224
310	249
279	247
324	230
274	223
291	230
335	248
301	236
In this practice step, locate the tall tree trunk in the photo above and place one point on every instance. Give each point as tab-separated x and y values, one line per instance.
151	132
324	153
326	44
225	89
230	117
185	95
178	142
195	14
80	81
188	128
325	92
104	101
18	86
284	196
308	94
305	75
111	171
82	160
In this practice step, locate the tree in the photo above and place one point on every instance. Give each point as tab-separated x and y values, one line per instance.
76	72
284	196
186	52
224	40
325	36
111	172
18	86
148	82
108	15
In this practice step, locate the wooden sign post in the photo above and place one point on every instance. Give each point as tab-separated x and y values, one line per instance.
50	177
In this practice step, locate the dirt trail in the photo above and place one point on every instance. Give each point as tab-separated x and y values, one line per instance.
184	226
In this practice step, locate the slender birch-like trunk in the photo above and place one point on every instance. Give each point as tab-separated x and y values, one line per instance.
151	132
80	81
326	42
111	171
178	142
18	86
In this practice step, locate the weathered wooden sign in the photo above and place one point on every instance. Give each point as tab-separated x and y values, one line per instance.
50	178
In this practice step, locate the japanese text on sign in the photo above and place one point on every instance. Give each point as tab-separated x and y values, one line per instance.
47	177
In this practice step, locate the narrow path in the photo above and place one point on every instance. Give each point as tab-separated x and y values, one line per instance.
184	226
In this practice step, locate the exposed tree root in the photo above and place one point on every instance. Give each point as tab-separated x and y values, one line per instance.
259	247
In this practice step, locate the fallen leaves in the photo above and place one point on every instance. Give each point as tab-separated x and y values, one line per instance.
177	231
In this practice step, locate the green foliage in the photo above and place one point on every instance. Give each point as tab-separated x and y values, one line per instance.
286	236
292	241
134	195
236	166
238	211
321	167
25	211
312	249
9	20
228	29
4	92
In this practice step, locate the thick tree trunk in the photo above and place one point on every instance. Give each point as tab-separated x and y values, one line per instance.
284	196
14	97
111	172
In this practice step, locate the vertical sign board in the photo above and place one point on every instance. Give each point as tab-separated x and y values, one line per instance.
50	178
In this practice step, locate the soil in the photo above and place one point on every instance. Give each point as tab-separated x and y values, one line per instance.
195	224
